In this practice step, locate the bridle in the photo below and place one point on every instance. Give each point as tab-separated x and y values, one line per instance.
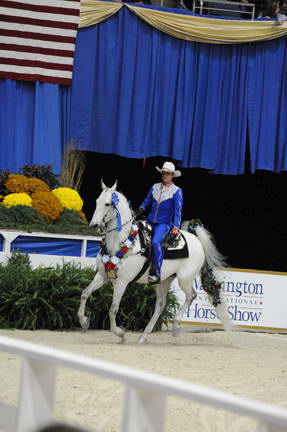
114	229
114	204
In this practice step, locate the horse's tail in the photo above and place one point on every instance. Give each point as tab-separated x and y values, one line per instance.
212	255
213	258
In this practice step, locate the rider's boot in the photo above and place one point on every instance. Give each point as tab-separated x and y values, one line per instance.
153	278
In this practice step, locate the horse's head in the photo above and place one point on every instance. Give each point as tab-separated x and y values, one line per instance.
105	209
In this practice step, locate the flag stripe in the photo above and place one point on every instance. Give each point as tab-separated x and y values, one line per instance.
37	8
37	29
34	71
35	63
37	50
38	22
34	35
37	39
38	15
37	57
35	77
17	41
55	3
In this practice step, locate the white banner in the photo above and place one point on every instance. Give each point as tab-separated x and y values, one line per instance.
254	300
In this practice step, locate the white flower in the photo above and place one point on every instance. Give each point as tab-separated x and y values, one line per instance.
134	227
115	259
105	259
128	243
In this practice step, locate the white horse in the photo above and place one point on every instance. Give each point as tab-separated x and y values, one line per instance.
201	251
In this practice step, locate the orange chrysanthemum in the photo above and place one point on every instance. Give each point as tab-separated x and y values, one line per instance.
48	205
17	183
36	185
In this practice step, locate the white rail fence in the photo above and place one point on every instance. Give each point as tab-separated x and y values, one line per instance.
145	396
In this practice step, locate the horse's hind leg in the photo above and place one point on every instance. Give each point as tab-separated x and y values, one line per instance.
119	289
96	283
161	294
190	295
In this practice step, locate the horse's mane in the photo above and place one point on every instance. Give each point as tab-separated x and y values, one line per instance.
126	200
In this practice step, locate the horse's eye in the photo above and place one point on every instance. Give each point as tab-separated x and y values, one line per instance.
107	204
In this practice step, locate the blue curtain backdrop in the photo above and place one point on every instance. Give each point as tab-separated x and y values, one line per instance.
267	113
30	124
137	92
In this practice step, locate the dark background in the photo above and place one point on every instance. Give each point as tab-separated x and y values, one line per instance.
246	214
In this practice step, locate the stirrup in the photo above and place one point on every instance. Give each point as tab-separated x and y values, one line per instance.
153	279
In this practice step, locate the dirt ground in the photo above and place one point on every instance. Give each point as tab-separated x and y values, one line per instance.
252	365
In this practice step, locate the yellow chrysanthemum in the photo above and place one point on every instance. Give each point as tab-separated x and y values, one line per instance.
48	205
17	199
69	198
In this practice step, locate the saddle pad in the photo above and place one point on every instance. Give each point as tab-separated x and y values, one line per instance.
181	251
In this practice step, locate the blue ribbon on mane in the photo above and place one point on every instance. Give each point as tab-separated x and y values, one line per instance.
115	202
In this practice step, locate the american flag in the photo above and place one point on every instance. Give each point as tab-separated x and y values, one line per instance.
37	39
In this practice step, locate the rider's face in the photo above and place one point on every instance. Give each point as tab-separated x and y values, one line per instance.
166	177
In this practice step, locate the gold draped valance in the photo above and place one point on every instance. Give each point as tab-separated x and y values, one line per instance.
187	27
92	11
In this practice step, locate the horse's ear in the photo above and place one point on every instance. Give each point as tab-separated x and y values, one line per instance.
103	185
114	187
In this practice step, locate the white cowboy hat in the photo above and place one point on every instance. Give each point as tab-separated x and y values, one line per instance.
169	167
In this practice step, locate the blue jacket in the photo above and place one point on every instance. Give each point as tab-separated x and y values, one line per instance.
165	204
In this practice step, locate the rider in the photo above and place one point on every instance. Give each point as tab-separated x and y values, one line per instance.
165	202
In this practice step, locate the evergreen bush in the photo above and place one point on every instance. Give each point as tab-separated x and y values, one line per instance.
24	218
49	298
42	172
20	217
3	179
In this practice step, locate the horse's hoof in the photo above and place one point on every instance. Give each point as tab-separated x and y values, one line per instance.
176	331
122	341
142	340
85	322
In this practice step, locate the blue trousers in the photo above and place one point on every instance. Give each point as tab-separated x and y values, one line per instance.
159	231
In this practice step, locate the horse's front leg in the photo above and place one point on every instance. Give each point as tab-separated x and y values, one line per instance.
96	283
119	289
161	294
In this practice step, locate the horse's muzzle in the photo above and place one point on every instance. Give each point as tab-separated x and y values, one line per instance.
100	228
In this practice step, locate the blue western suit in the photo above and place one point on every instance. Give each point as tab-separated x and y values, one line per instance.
165	206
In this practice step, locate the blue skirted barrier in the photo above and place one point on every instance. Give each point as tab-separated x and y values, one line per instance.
49	244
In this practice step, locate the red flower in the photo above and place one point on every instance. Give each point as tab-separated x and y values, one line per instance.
110	266
124	249
134	233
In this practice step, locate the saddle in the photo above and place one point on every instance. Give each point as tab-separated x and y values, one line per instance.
174	246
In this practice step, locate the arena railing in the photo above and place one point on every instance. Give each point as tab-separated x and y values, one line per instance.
224	8
145	395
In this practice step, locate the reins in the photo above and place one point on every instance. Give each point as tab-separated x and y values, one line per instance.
115	228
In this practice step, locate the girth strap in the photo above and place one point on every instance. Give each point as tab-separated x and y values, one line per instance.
143	270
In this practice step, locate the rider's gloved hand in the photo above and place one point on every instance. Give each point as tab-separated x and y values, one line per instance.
175	231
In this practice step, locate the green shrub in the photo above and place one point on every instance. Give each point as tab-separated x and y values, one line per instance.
3	178
70	217
42	172
49	298
71	222
24	218
21	217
